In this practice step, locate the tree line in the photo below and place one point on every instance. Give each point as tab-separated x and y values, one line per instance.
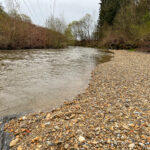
78	32
124	24
18	32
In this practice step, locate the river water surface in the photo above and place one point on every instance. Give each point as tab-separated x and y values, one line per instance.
36	80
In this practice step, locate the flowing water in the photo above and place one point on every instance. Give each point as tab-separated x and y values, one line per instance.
35	80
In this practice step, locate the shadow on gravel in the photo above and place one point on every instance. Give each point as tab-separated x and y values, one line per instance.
5	138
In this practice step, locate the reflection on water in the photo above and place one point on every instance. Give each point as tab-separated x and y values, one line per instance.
34	80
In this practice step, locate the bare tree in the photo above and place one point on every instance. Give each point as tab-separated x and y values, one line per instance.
25	18
12	6
56	24
82	29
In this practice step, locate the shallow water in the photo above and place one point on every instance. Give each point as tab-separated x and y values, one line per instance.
36	80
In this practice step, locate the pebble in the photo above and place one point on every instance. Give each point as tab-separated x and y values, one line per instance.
56	127
141	144
98	129
24	117
97	118
19	148
14	142
48	116
47	123
81	139
131	146
49	143
66	146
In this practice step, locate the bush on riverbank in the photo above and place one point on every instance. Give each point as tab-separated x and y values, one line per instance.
17	32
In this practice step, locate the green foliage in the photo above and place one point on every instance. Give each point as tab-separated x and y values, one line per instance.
68	34
1	9
124	22
108	11
82	29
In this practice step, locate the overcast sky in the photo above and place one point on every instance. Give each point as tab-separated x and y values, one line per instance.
39	10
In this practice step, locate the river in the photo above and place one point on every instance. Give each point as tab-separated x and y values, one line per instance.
39	80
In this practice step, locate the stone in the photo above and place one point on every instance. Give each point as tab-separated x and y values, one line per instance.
137	113
36	139
19	148
127	105
141	144
56	127
125	126
111	128
43	125
47	123
131	146
48	116
14	142
39	146
66	146
131	125
24	117
98	129
108	141
81	139
49	143
95	142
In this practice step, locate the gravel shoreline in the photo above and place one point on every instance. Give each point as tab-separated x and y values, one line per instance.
112	113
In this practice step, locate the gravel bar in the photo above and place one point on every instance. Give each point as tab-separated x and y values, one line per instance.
113	112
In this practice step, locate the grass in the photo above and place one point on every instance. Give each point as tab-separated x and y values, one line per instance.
132	50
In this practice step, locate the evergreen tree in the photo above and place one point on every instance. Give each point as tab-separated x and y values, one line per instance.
124	22
109	10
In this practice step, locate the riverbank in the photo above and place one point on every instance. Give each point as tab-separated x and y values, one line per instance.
112	113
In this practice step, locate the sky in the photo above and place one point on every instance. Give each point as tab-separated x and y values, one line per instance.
40	10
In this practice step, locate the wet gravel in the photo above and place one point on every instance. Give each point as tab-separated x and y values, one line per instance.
112	113
5	137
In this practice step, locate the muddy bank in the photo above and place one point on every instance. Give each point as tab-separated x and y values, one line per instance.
112	113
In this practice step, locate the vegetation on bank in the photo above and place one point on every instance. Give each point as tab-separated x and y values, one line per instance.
18	32
124	24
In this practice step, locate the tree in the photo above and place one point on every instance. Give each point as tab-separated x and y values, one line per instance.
69	35
123	22
12	6
108	11
1	9
87	26
56	24
82	29
17	32
25	18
